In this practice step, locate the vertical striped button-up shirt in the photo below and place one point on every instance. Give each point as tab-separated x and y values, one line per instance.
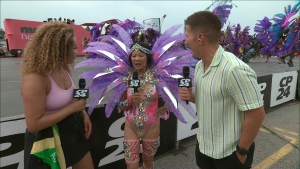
227	89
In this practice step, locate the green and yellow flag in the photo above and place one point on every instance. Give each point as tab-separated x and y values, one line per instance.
47	146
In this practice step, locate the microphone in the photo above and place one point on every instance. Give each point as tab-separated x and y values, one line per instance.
135	82
186	81
81	93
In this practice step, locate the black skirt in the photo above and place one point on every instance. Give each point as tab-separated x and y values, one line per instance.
73	142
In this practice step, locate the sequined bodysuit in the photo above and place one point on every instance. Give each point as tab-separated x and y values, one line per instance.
141	117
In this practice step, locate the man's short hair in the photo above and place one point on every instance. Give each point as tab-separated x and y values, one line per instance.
205	22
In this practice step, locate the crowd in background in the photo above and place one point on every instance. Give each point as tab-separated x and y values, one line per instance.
68	21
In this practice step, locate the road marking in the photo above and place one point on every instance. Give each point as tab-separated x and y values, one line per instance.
285	131
271	160
264	130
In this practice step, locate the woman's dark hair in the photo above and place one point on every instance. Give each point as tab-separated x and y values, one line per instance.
149	55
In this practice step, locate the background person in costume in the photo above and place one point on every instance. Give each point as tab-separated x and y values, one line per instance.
280	36
84	43
159	77
291	41
2	53
47	92
261	29
107	30
254	50
227	97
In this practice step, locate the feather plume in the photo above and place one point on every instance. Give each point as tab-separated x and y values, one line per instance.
115	96
188	108
172	40
167	34
94	100
161	87
89	75
174	51
96	62
124	36
223	12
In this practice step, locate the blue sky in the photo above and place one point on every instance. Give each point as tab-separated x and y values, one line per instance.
246	13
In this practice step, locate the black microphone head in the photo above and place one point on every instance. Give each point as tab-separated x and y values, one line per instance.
81	83
186	71
135	75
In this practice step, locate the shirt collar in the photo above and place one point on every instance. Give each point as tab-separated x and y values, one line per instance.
217	57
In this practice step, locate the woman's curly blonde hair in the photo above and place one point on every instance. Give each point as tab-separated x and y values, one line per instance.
50	49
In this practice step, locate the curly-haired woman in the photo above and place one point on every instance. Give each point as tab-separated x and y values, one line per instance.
47	90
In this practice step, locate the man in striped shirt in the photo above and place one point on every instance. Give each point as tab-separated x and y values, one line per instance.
228	102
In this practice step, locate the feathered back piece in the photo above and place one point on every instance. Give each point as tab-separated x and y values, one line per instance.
223	12
229	38
112	68
279	30
261	29
297	39
241	40
237	43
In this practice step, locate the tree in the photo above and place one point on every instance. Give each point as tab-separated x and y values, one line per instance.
2	34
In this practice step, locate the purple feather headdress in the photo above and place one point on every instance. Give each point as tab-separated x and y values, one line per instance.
109	78
281	25
223	12
291	43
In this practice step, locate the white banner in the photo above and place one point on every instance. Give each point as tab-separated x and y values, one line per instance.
283	87
188	129
153	23
12	134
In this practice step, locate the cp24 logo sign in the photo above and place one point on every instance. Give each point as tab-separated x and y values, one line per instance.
284	89
114	131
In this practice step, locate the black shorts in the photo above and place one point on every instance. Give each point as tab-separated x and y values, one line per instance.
229	162
72	137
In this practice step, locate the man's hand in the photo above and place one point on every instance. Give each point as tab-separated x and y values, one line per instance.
136	98
186	94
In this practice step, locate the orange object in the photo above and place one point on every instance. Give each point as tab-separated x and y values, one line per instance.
18	32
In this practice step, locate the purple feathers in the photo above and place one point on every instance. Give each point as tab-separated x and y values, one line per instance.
223	12
111	62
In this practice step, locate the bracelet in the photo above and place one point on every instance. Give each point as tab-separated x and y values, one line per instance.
167	108
123	104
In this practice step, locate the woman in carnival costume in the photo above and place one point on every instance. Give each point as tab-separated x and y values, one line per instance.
158	63
262	34
290	47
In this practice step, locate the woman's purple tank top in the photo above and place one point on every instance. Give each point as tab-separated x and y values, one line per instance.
57	97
